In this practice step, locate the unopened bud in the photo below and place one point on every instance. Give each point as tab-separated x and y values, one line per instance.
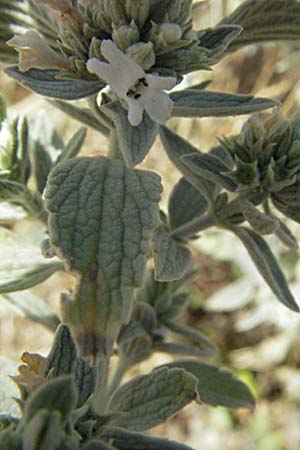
115	9
171	32
138	10
143	54
126	35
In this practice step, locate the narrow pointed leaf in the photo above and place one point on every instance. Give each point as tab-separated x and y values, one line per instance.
217	387
172	259
176	148
74	145
217	39
266	20
134	142
195	103
195	336
267	265
151	399
22	265
32	307
211	168
130	440
101	217
83	115
177	348
45	82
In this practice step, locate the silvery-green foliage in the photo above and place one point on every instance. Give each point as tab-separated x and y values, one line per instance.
103	218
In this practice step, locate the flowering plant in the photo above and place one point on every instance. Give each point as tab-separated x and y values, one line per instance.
131	260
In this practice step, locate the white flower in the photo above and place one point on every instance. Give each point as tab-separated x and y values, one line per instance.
35	53
128	80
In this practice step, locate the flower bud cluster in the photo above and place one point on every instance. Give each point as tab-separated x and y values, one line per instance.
266	158
150	32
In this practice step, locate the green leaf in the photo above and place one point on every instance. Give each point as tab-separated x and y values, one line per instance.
18	194
185	204
134	343
43	432
151	399
101	215
134	142
172	259
265	20
22	265
64	360
196	103
10	439
98	445
176	148
42	165
177	348
33	308
211	168
217	387
74	146
8	389
197	338
46	83
129	440
83	115
217	39
267	265
286	236
59	395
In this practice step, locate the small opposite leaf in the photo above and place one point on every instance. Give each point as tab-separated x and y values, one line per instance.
185	204
74	145
101	218
129	440
151	399
171	258
44	82
22	265
267	265
134	142
217	387
196	103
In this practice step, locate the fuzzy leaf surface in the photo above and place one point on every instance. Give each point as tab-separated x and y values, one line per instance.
130	440
101	218
134	142
267	265
22	265
150	399
217	387
171	258
196	103
44	82
265	20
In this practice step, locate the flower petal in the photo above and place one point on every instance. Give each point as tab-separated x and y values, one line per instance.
157	104
161	83
135	111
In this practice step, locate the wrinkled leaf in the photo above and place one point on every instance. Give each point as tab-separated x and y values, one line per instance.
134	142
22	265
150	399
171	258
44	82
129	440
217	387
64	360
196	103
267	265
101	217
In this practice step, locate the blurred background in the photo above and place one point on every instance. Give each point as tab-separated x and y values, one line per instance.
258	338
